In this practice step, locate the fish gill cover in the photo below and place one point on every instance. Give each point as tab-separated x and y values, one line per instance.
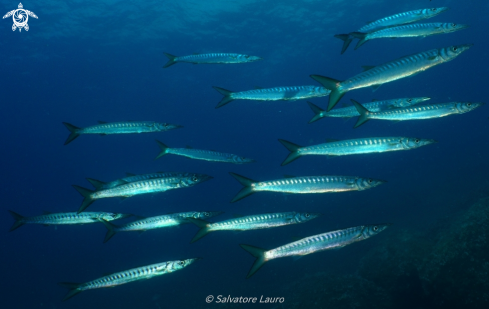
91	62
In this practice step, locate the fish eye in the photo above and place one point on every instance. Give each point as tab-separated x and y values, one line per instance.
416	141
410	100
453	25
469	104
433	9
307	215
454	48
370	181
375	228
181	262
195	178
206	214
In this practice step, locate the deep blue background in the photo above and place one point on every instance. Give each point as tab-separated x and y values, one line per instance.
80	77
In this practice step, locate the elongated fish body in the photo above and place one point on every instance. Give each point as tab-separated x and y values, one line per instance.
212	58
351	111
393	20
141	187
123	277
200	154
408	31
418	112
330	240
99	185
273	94
307	184
128	127
157	222
253	222
390	71
354	146
65	218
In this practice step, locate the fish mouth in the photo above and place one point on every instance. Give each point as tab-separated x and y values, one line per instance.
443	9
190	261
422	99
463	26
431	141
205	178
464	47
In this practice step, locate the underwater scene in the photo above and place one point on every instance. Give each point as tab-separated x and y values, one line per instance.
244	153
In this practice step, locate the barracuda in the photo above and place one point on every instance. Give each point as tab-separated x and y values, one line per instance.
49	218
273	94
128	127
140	187
254	222
157	222
407	31
306	184
390	71
99	185
354	146
123	277
418	112
200	154
213	58
376	106
393	20
330	240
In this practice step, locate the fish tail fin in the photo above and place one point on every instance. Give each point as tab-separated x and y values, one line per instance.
111	229
74	132
293	155
227	96
87	194
317	111
18	220
247	190
204	228
259	253
164	149
74	288
333	85
362	38
363	113
171	60
96	183
346	38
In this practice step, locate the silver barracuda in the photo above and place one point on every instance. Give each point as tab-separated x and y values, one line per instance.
349	111
157	222
127	127
330	240
306	184
354	146
254	222
390	71
123	277
99	185
417	112
212	58
200	154
273	94
49	218
393	20
140	187
408	31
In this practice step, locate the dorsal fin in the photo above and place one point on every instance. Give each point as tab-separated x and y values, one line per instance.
374	100
130	174
257	87
330	140
46	212
102	122
237	216
188	147
289	176
367	67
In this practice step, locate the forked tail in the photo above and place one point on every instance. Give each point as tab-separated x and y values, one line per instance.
87	195
293	155
227	96
318	112
364	113
164	149
74	288
204	228
333	85
111	230
171	60
247	190
74	132
362	38
18	220
346	38
259	254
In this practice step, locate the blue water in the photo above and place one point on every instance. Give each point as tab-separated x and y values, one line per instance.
102	60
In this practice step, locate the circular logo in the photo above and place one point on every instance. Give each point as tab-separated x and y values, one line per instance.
20	18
